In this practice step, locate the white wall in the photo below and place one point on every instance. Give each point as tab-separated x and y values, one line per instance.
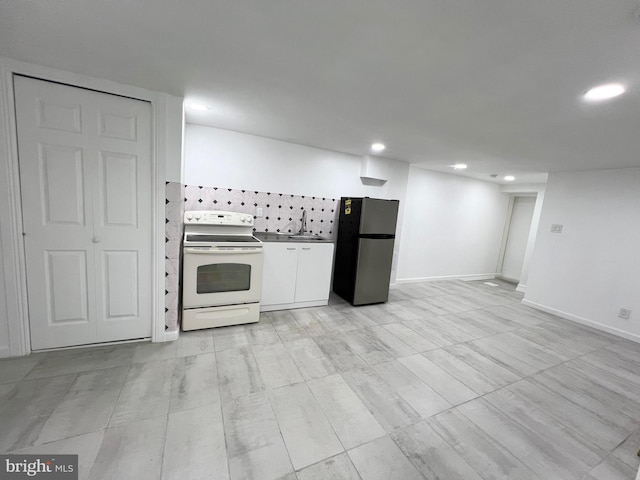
215	157
452	227
592	269
4	317
9	306
173	137
448	226
4	200
221	158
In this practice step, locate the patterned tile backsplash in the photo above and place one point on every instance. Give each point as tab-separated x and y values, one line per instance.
174	209
281	212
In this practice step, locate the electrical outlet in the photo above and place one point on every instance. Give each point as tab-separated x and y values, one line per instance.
555	228
625	313
259	212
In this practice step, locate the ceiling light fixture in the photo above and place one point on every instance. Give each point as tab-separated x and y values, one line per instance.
460	166
378	147
509	178
604	92
199	107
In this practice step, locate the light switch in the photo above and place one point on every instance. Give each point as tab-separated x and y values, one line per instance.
259	212
555	228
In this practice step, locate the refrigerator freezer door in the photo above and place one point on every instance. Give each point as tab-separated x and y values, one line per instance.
378	216
373	271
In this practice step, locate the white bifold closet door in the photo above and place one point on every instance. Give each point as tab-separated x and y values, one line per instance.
85	179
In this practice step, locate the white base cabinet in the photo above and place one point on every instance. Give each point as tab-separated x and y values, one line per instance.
296	275
279	271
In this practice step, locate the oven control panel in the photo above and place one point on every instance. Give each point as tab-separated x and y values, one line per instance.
214	217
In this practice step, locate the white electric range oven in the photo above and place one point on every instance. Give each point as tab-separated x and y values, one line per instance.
222	274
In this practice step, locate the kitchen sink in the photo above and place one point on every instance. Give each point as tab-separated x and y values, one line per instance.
289	237
306	237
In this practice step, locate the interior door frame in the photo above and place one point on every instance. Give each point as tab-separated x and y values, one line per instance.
13	254
513	191
505	235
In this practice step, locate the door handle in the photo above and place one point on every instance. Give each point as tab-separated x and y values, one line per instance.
95	239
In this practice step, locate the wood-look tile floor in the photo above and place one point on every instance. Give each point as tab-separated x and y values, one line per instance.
448	380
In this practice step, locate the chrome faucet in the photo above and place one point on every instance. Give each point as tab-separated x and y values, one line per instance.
303	225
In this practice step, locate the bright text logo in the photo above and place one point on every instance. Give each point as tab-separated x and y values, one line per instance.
50	467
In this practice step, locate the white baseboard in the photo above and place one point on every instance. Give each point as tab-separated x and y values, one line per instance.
468	278
291	306
171	335
507	278
94	345
521	288
583	321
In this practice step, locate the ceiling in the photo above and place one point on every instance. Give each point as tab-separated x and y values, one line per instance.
494	84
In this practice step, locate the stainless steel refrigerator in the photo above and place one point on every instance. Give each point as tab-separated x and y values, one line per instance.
364	250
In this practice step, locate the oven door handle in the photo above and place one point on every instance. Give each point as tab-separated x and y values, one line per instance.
226	252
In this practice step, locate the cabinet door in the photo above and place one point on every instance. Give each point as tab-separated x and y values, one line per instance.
314	272
279	273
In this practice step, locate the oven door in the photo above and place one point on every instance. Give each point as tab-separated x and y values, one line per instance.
226	276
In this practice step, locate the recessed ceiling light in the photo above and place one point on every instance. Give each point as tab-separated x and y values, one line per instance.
378	147
199	107
460	166
509	178
604	92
